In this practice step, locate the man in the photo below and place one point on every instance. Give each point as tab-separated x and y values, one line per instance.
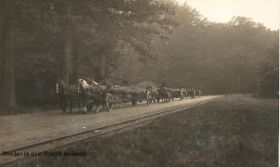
163	83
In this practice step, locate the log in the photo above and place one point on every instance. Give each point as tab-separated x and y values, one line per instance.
175	90
127	90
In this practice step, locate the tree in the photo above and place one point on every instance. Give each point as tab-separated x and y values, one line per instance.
194	54
8	42
269	72
69	38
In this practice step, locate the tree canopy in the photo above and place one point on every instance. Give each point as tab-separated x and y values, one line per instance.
135	41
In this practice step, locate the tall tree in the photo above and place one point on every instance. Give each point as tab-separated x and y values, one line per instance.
269	72
8	42
68	42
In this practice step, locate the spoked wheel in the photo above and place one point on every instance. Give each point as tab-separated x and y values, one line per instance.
109	102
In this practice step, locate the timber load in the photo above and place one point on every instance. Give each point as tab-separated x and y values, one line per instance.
127	90
129	94
88	93
177	93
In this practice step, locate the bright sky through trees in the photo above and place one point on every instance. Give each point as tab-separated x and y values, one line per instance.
263	11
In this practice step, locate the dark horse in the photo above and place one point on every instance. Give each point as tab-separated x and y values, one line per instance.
152	94
164	94
67	95
191	92
91	93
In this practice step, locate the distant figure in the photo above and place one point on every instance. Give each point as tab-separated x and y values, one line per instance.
164	83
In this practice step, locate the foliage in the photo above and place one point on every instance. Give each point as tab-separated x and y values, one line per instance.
215	57
96	29
269	72
140	40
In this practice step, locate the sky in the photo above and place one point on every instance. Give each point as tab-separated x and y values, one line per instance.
266	12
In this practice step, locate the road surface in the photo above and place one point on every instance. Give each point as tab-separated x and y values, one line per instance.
19	131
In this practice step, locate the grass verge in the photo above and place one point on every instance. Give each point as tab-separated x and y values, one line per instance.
235	131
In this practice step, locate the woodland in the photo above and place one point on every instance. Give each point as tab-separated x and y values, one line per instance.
127	42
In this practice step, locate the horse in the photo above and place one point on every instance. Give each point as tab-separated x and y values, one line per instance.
151	94
155	94
92	93
184	93
164	94
66	95
198	93
191	92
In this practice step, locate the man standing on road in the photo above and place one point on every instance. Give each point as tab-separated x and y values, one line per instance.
163	83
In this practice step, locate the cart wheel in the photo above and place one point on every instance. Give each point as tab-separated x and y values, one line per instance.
109	102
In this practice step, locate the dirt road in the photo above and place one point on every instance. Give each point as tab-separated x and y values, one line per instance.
19	131
236	131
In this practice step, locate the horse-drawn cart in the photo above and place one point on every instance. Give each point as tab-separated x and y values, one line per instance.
130	94
97	98
177	93
164	94
87	94
84	96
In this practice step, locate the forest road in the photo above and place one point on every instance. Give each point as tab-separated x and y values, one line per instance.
18	132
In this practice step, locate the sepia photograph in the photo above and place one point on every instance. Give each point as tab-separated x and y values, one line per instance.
139	83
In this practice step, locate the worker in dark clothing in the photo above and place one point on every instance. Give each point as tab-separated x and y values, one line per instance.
164	83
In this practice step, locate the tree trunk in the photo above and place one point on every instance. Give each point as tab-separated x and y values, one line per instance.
75	62
239	83
10	72
67	56
102	67
8	97
67	59
2	61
